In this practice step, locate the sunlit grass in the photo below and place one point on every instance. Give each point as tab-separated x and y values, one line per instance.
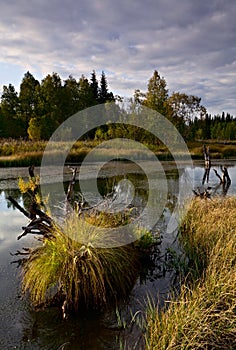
71	264
204	314
25	153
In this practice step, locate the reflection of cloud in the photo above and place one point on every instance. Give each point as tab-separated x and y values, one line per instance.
191	42
11	223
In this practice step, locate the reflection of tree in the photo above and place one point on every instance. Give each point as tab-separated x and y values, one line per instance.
24	198
15	193
107	185
225	180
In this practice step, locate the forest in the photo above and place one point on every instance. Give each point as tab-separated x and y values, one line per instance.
40	107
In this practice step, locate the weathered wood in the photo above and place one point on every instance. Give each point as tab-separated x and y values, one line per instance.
31	171
202	194
225	175
206	176
219	177
19	207
225	180
70	190
206	153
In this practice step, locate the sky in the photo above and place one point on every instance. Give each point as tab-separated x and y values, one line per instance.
191	43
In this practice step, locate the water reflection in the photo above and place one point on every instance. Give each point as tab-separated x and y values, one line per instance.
23	328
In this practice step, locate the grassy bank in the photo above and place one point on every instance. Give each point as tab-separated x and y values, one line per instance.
204	314
218	149
25	153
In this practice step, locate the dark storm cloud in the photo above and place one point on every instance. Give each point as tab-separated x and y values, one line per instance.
191	43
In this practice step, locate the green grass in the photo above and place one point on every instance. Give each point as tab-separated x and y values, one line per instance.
203	316
82	261
25	153
71	264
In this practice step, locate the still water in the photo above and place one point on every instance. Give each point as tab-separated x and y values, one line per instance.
23	328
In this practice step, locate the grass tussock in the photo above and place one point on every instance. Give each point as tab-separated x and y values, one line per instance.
204	315
70	265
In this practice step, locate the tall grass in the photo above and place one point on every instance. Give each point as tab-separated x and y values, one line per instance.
70	265
24	153
204	314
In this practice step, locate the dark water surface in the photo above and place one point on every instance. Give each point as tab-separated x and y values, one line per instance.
23	328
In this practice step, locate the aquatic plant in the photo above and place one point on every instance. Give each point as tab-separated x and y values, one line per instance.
203	316
79	273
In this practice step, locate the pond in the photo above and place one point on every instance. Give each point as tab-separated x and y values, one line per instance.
23	328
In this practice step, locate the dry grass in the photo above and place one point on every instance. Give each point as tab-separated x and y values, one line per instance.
204	315
217	150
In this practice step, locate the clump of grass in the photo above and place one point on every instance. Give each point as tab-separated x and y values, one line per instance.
108	220
206	226
71	265
204	314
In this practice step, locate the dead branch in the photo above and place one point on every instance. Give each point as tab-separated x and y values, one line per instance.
206	153
70	190
202	193
31	171
219	177
38	226
19	207
225	175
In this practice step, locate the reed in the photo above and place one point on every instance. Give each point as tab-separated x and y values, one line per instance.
203	316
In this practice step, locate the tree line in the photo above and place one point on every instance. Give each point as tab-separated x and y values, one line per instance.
39	108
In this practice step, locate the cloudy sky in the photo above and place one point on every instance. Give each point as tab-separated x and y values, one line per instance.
192	43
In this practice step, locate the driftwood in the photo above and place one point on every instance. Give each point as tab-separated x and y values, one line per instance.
225	175
224	178
40	223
